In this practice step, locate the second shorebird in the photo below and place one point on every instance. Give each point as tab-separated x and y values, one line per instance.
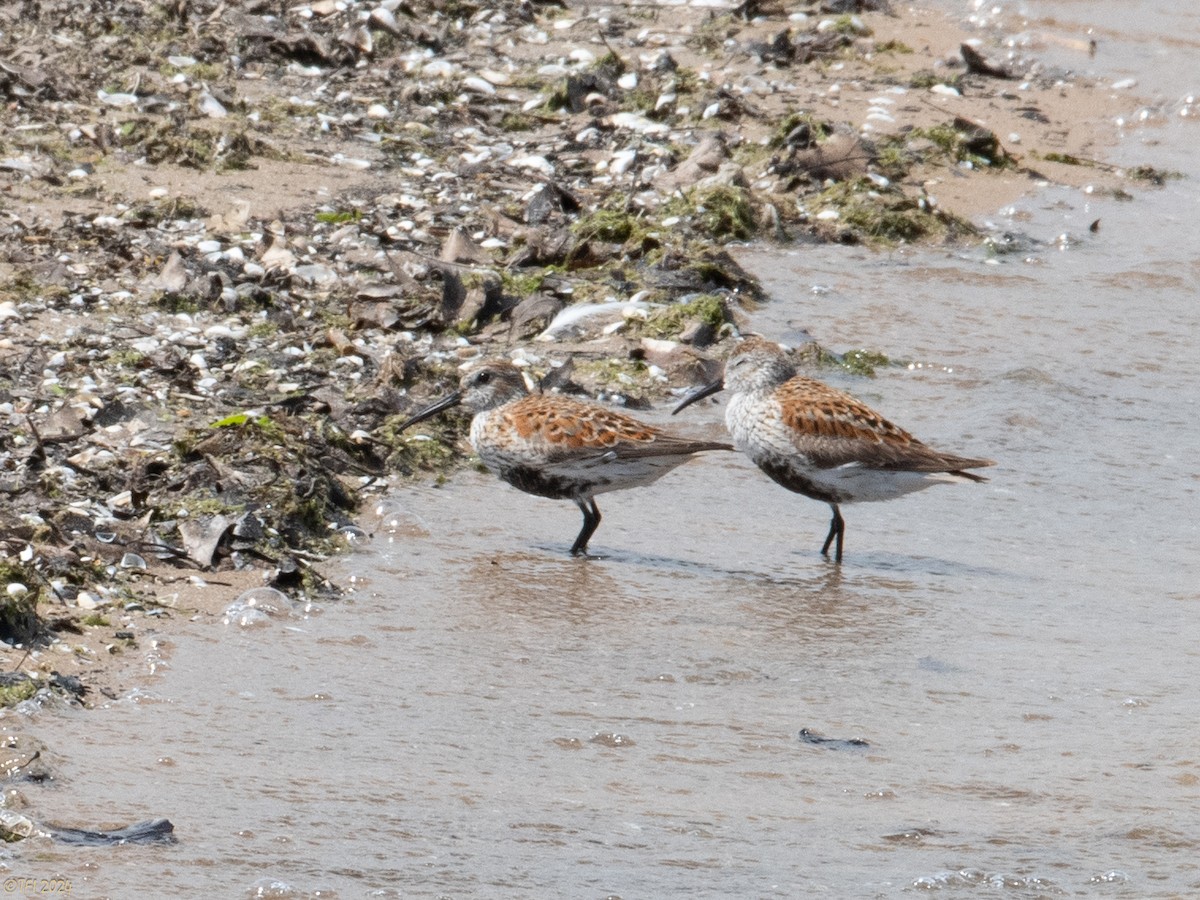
557	447
821	442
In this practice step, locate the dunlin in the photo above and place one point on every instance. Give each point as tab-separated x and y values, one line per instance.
557	447
821	442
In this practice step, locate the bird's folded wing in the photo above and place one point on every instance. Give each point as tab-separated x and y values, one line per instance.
666	445
829	453
575	458
832	428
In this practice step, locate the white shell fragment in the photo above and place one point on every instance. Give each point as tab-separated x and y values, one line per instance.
583	316
382	18
478	85
212	107
621	161
117	99
133	561
349	162
637	122
537	163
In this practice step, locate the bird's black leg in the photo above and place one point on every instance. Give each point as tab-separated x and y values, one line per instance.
837	527
591	521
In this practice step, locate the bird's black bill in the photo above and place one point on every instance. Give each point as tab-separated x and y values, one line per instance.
705	390
433	409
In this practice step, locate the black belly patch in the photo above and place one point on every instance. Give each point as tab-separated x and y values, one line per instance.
538	483
793	482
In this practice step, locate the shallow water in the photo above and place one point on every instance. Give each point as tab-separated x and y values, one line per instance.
487	717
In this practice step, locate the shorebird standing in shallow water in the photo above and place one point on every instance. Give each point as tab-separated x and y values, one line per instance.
556	447
821	442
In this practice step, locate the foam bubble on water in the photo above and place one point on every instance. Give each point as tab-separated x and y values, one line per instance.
256	608
272	889
979	878
388	519
354	536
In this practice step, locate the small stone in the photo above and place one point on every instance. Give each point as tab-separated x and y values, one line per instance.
698	334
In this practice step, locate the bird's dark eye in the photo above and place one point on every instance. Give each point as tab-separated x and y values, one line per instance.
483	377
